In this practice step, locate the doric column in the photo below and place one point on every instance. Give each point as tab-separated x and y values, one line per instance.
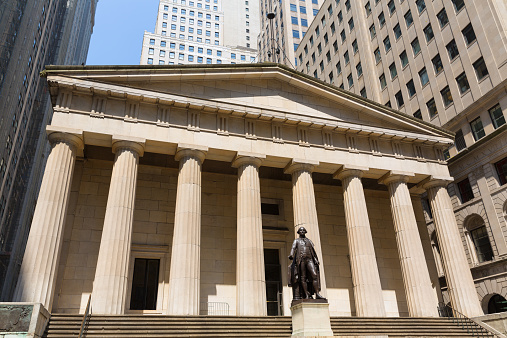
37	277
305	210
184	277
421	298
365	276
111	274
250	276
460	284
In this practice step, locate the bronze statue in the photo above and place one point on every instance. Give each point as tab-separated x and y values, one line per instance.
304	273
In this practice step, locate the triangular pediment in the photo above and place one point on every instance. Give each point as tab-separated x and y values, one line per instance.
268	89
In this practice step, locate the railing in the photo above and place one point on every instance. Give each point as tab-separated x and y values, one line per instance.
466	323
214	309
85	317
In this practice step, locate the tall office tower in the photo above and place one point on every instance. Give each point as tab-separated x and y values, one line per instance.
202	31
33	34
444	62
280	36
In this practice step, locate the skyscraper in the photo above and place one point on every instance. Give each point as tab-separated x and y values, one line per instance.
280	36
33	34
442	62
202	32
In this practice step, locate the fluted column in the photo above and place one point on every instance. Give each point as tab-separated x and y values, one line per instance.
37	277
460	284
365	276
184	277
250	275
305	209
111	274
421	299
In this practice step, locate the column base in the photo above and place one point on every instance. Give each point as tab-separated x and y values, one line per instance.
310	318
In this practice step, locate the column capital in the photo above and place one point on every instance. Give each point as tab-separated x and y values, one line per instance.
196	151
135	144
395	176
433	182
248	158
300	165
72	137
347	171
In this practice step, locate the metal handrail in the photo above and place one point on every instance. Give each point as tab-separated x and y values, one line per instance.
445	310
85	316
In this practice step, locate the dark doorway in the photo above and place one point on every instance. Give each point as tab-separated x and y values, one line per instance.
497	304
144	284
273	282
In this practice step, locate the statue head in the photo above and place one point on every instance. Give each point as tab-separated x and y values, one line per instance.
302	231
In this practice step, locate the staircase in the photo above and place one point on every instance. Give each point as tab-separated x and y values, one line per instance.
146	326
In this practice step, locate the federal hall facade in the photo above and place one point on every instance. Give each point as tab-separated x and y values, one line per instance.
178	190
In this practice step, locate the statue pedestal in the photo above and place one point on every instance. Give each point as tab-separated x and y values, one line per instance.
310	318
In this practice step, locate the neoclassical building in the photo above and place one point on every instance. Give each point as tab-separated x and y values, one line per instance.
178	189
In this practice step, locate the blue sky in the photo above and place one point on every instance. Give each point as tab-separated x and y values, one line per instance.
118	32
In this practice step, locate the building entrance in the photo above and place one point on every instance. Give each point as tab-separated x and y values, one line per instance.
145	284
273	282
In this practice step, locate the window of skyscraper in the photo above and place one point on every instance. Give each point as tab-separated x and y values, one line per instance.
378	57
321	65
359	70
243	57
446	96
331	76
397	31
338	68
304	22
469	34
355	48
150	61
350	80
317	31
462	82
347	5
161	62
373	33
328	57
181	56
162	43
302	9
340	17
166	8
319	48
363	92
432	108
459	140
428	32
323	21
399	99
497	116
423	75
233	55
164	24
452	49
346	57
392	7
458	4
480	68
171	55
200	50
416	48
172	45
381	19
477	129
342	35
165	16
367	7
333	28
393	71
411	88
199	59
293	8
408	19
387	44
330	10
382	79
295	33
151	51
418	114
404	59
182	47
152	41
442	18
175	10
351	24
437	64
421	5
326	39
315	11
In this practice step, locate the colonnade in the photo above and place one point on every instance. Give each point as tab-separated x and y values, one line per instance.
38	271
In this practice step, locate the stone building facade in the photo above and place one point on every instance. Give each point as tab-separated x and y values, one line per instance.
176	189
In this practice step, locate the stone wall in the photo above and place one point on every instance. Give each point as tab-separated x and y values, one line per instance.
153	227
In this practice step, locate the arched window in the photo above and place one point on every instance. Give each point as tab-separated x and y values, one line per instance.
478	239
497	304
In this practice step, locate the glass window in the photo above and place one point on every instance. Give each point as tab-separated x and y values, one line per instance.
319	48
200	50
477	129
152	41
446	96
294	20
355	48
150	61
151	51
304	22
501	170
393	71
326	39
340	17
497	116
315	12
381	19
333	28
377	55
359	70
346	57
462	83
382	79
465	190
458	4
363	92
233	56
219	53
432	108
162	43
437	64
387	44
411	88
397	31
388	104
295	33
404	59
442	18
350	80
391	6
171	55
399	99
302	9
428	32
173	45
347	5
367	7
459	140
335	46
293	8
338	68
408	18
328	57
162	53
480	69
351	24
416	48
452	49
469	34
418	114
482	245
321	65
421	6
209	52
373	33
331	77
342	35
